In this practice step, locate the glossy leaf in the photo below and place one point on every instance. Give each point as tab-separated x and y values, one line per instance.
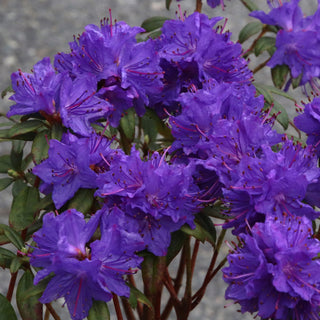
15	264
25	127
153	23
249	30
283	117
250	5
137	295
17	154
6	91
264	91
128	124
207	224
40	146
279	75
12	235
99	310
168	2
24	207
6	257
296	81
5	163
263	44
82	201
6	309
5	182
199	233
29	307
178	239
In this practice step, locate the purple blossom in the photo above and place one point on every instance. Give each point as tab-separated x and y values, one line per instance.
287	15
274	184
81	273
158	196
297	42
273	271
37	91
309	122
126	72
194	39
72	164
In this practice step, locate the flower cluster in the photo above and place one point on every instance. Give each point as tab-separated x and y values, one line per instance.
297	41
224	148
82	271
273	271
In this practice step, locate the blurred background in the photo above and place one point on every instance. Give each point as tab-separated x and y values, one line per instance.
33	29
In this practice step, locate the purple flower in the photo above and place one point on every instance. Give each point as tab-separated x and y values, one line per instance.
72	164
37	91
309	122
79	105
274	184
273	271
297	42
159	198
126	72
287	15
81	273
194	39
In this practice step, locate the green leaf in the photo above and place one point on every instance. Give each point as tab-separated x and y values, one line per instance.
178	239
18	186
56	132
15	264
249	30
12	235
279	75
40	146
296	81
283	117
137	295
128	123
99	310
37	290
263	44
6	257
17	154
82	201
215	211
155	34
168	2
153	23
5	163
29	307
279	92
264	91
207	224
7	90
25	127
5	182
24	207
199	233
6	309
251	6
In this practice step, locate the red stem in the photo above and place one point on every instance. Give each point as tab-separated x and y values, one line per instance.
117	306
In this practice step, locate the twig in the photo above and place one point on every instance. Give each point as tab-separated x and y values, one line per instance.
11	285
117	306
200	293
198	6
260	66
52	311
127	309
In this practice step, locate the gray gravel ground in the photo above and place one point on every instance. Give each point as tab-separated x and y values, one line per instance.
32	29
